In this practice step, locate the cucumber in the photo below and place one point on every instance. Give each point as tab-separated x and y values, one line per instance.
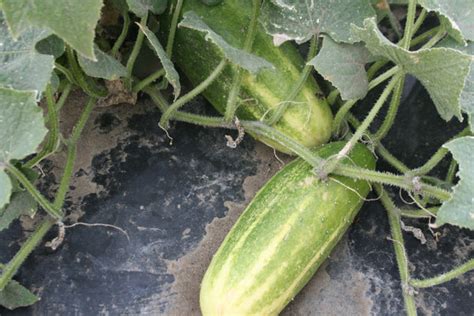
308	121
282	237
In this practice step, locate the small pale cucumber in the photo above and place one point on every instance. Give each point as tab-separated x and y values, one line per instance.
282	237
308	120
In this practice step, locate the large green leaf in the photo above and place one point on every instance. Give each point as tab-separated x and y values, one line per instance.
72	20
459	210
170	72
21	203
105	67
344	66
141	7
459	13
236	56
21	66
442	71
299	20
21	131
15	295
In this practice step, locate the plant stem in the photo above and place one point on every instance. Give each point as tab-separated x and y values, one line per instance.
391	159
409	25
42	201
89	87
71	154
148	80
445	277
392	111
53	135
451	171
398	245
299	84
121	39
419	213
346	107
63	97
435	39
438	155
419	21
202	120
232	104
164	121
12	267
172	31
135	51
331	165
66	73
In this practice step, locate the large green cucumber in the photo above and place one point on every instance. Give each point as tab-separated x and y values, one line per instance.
308	121
283	236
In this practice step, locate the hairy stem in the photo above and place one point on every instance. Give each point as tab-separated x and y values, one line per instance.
30	244
123	35
135	51
71	154
398	245
331	165
445	277
164	121
392	111
42	201
232	104
172	31
148	80
86	84
409	25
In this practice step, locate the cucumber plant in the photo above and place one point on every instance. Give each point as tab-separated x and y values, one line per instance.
241	56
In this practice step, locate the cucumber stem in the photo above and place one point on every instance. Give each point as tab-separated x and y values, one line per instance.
10	269
445	277
331	164
164	121
232	104
451	171
392	111
398	245
135	51
409	25
172	32
123	35
148	80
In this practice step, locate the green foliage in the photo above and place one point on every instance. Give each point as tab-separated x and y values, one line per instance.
16	295
105	66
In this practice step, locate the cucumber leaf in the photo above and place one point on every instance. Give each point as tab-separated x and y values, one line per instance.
51	45
442	71
301	19
73	21
459	210
344	66
105	66
459	13
21	203
15	295
21	132
21	66
236	56
141	7
170	72
467	95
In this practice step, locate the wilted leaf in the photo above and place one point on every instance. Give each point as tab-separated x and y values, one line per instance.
21	203
15	295
170	72
459	210
299	20
141	7
344	66
442	71
236	56
106	67
21	66
21	131
74	21
460	14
